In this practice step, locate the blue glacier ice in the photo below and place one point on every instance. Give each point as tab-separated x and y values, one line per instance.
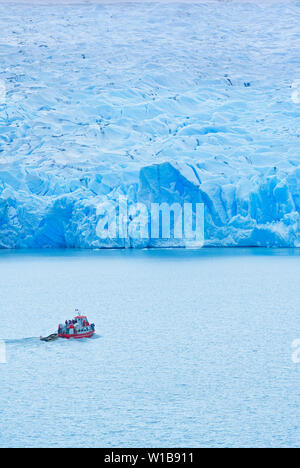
158	102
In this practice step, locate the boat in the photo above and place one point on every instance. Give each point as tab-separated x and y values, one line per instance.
77	328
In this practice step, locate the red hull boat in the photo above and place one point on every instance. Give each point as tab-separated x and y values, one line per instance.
77	328
77	336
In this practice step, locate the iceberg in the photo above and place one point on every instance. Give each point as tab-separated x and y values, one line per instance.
158	103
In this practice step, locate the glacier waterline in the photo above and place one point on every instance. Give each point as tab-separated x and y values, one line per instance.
193	348
158	102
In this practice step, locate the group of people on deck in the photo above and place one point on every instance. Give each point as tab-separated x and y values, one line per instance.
71	322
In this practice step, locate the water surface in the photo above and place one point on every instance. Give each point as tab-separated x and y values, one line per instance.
193	348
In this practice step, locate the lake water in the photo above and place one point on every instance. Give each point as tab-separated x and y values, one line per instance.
193	348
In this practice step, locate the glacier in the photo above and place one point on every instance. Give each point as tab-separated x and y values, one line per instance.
158	102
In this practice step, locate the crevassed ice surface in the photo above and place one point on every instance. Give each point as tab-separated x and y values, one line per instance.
158	102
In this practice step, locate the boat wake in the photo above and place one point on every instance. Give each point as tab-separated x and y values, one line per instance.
34	340
22	341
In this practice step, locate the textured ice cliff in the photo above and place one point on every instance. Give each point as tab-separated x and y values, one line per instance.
156	102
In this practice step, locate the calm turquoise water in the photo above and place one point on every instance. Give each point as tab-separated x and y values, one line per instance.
192	348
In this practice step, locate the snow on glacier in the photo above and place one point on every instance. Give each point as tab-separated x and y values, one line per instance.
157	102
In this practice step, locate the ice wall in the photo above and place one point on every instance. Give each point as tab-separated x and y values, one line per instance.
174	102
